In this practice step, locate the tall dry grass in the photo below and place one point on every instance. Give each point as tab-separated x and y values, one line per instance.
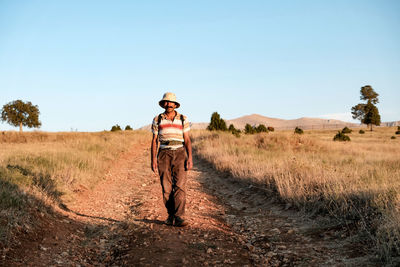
356	182
39	169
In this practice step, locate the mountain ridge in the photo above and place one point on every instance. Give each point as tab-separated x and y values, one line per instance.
255	119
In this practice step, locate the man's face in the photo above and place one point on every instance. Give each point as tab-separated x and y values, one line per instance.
169	106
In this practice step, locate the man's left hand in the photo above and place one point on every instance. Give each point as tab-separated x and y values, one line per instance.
189	164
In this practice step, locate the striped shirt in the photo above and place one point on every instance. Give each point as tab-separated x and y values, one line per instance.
170	131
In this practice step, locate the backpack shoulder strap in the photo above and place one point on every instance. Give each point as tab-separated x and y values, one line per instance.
182	118
159	120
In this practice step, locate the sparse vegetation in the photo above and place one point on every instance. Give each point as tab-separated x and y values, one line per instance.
340	136
361	131
393	137
398	130
128	128
298	130
356	185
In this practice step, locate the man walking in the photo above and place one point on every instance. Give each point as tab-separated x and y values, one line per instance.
171	135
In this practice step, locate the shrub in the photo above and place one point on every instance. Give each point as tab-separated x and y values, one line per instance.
298	131
393	137
346	130
234	131
340	136
128	128
115	128
270	129
398	132
248	129
361	132
261	129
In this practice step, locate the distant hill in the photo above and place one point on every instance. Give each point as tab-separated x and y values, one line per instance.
390	123
255	119
304	123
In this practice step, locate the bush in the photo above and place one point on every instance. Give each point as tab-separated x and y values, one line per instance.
115	128
248	129
128	128
393	137
397	132
298	131
361	132
346	130
270	129
234	131
261	129
340	136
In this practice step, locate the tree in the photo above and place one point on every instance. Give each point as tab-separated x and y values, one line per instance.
367	113
248	129
216	123
128	128
19	113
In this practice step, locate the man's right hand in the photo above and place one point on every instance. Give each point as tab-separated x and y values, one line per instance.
154	166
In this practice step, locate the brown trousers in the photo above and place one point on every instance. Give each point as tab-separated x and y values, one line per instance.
171	168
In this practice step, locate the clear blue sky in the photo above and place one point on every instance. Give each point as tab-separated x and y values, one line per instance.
91	64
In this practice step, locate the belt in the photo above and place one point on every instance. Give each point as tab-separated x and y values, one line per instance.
171	143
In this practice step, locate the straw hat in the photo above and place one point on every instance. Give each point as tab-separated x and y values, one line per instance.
171	97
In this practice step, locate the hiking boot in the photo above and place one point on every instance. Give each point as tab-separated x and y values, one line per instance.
170	220
179	222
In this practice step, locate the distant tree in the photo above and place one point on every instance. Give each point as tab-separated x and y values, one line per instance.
217	123
248	129
367	113
261	129
128	128
19	113
115	128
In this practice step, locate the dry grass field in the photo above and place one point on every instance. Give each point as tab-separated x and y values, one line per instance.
39	169
355	183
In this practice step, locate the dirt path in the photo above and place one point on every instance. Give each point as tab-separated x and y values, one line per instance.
120	223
